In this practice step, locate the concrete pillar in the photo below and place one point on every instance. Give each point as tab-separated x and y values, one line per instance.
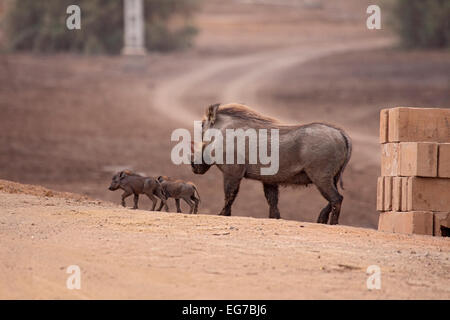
134	40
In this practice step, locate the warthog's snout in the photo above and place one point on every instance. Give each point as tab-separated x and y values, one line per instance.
200	168
114	186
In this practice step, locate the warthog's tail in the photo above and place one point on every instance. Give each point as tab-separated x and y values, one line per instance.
162	189
196	191
348	144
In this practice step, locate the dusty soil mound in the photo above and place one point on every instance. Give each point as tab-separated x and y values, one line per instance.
29	189
125	253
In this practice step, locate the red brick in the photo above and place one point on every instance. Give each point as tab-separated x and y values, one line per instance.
441	219
404	205
384	123
444	160
418	159
396	193
380	194
417	222
387	193
386	222
428	194
419	125
389	159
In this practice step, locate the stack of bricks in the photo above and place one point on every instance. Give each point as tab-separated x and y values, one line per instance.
413	192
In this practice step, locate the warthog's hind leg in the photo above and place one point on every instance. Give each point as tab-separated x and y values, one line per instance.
154	200
328	189
330	193
336	210
271	193
190	203
196	202
177	203
324	214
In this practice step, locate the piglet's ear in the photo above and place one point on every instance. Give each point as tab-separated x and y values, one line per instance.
211	113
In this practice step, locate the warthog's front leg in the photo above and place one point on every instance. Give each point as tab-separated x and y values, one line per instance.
163	204
125	195
231	189
163	199
160	206
271	193
136	200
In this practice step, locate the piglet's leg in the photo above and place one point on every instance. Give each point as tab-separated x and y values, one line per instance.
125	195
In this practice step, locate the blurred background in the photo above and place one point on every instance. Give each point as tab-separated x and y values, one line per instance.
74	110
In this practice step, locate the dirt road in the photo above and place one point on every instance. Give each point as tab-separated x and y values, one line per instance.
124	253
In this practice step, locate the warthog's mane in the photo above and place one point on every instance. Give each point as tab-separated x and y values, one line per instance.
131	173
245	113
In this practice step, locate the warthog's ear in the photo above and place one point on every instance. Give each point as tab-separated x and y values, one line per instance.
122	174
196	146
212	112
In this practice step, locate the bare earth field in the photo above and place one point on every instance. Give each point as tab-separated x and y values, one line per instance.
68	122
139	254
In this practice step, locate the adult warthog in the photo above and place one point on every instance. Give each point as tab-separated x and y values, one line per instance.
313	153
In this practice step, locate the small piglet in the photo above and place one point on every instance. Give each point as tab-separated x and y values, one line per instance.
132	183
179	189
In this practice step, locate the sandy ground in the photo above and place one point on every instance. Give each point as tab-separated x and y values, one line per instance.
124	253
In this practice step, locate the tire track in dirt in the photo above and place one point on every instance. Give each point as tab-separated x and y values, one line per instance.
168	97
